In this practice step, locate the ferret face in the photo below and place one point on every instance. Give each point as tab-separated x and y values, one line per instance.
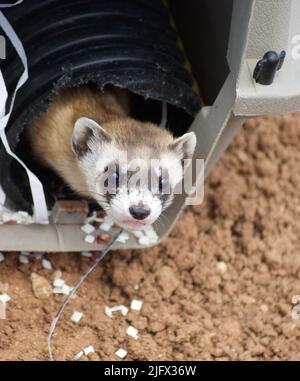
131	168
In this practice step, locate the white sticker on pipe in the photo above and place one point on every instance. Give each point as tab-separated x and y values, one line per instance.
10	5
3	97
37	191
2	198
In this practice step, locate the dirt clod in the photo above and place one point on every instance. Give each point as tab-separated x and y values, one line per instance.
167	280
40	286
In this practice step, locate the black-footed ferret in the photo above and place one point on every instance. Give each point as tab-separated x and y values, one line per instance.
88	139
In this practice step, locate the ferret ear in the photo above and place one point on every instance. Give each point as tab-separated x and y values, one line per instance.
86	130
184	146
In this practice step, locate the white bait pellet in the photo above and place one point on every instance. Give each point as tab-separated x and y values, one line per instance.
76	316
136	305
88	228
121	353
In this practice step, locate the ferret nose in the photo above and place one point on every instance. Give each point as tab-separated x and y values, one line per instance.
139	212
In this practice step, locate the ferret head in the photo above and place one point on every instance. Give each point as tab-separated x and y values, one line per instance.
130	168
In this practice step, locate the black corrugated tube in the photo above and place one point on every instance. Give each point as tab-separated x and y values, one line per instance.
126	43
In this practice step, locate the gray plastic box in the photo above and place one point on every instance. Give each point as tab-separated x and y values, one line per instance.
224	40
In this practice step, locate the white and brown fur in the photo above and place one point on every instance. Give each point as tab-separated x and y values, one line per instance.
85	131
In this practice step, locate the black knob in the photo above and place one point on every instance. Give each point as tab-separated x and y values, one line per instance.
266	68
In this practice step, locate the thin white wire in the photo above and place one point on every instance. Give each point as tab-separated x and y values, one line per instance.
68	298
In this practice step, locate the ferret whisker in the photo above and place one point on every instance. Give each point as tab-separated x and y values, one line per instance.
160	222
160	219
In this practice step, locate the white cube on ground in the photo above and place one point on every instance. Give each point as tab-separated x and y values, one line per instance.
89	238
222	267
123	237
58	283
121	353
88	228
46	264
76	316
105	227
88	350
87	254
23	259
131	331
2	257
136	305
4	298
107	224
66	289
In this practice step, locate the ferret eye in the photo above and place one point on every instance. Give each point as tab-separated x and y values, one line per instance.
113	178
106	169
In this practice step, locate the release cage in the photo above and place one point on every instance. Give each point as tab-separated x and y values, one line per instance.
162	51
